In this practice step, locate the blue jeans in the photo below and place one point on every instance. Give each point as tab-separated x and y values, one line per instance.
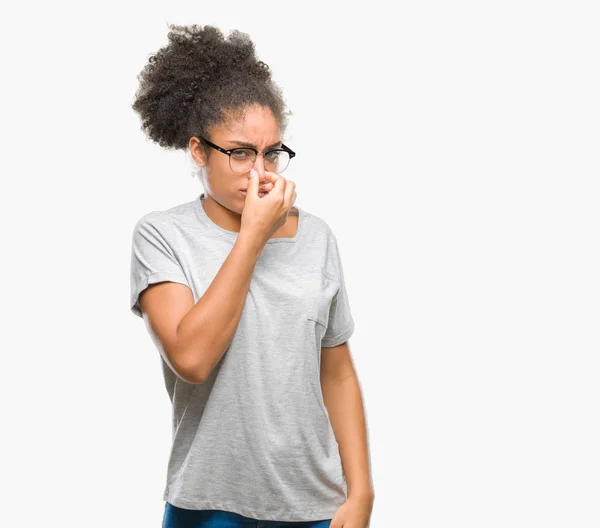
176	517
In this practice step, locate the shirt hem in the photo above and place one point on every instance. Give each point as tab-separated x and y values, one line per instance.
282	516
147	279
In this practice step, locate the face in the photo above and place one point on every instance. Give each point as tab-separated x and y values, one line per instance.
257	128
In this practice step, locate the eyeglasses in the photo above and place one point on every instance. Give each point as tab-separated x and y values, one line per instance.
242	159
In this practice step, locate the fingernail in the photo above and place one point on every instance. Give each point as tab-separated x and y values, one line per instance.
252	173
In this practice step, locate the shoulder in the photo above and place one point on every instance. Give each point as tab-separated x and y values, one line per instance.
324	241
151	225
149	220
164	219
318	226
180	212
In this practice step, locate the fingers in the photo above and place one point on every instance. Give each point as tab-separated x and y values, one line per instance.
271	177
268	182
289	196
279	185
265	182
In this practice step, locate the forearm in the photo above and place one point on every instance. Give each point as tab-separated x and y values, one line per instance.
206	331
343	400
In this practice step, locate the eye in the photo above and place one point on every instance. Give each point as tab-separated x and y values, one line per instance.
240	154
272	155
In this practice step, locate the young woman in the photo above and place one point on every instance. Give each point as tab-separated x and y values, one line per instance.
243	294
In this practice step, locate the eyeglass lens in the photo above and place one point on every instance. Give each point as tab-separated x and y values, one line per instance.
242	160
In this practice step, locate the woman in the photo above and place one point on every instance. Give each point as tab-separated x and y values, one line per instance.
243	294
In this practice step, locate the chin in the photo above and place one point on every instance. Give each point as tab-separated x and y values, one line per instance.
237	205
234	203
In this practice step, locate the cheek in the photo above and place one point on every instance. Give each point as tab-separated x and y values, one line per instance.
220	178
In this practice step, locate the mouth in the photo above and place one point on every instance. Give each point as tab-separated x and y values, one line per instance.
243	191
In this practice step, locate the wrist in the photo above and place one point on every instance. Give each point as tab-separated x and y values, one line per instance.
364	494
251	241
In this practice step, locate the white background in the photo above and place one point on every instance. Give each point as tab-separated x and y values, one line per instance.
452	147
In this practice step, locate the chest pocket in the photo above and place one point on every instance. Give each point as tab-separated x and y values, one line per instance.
322	289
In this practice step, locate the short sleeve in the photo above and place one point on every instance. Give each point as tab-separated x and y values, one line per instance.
152	257
341	324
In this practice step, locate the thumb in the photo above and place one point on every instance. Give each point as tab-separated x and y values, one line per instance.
253	183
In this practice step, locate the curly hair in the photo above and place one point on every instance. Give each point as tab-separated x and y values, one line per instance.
201	80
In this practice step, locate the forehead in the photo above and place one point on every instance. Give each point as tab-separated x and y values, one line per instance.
257	126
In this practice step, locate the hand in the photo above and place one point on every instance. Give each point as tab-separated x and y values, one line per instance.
264	214
266	184
354	513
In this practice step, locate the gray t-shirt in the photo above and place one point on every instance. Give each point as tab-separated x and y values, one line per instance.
255	437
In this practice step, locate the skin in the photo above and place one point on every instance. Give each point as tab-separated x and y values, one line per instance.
343	399
223	201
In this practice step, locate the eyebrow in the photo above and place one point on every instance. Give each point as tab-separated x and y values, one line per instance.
245	144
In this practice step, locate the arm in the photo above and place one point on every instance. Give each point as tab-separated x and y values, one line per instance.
342	397
194	337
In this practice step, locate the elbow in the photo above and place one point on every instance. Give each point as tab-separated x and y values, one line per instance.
190	376
187	362
188	366
190	372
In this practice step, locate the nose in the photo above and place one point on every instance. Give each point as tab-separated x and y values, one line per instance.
259	165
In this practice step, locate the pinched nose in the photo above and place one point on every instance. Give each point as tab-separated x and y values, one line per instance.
259	166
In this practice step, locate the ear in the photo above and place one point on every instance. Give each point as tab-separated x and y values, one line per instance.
196	151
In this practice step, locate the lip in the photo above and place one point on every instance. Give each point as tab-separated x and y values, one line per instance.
243	191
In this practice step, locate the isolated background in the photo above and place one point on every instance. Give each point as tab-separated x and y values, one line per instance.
453	149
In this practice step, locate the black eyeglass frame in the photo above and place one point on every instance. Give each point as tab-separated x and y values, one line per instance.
283	148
